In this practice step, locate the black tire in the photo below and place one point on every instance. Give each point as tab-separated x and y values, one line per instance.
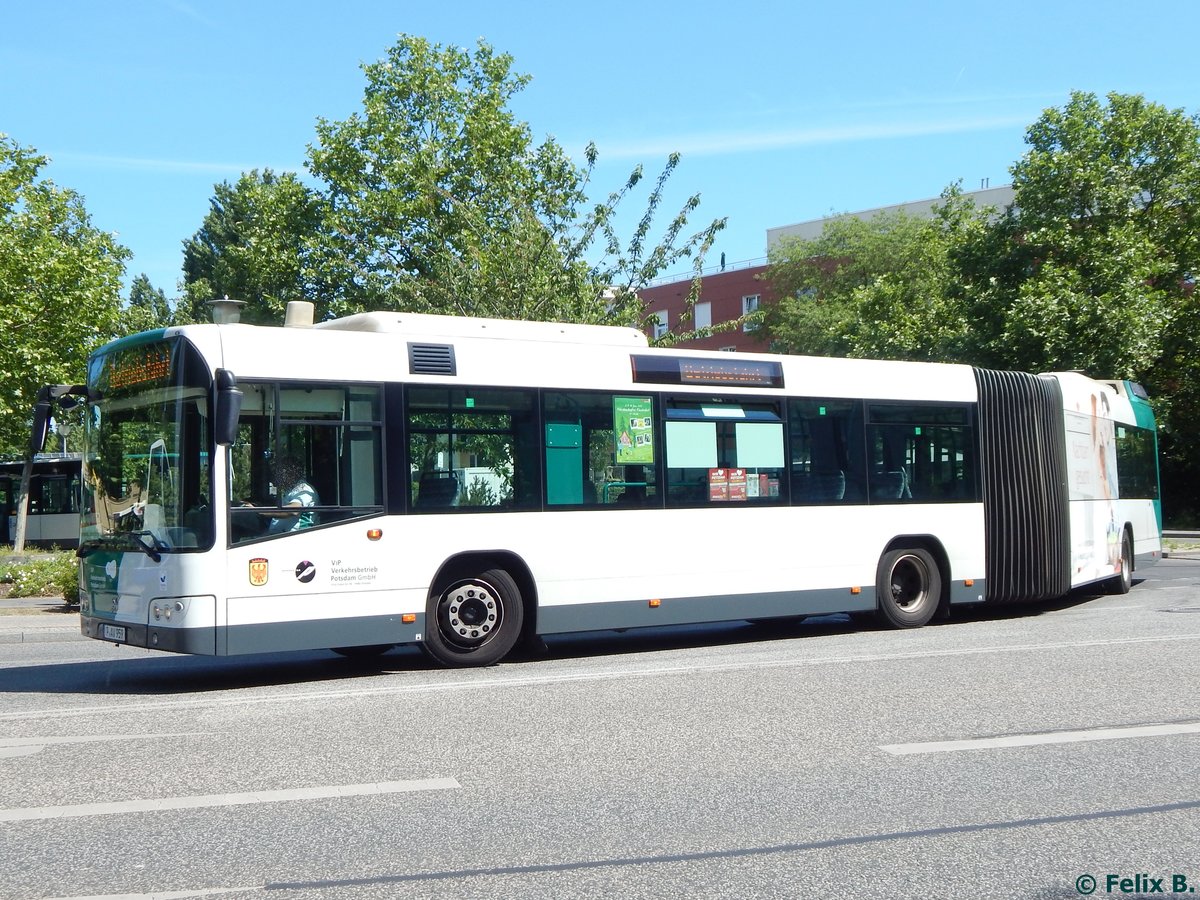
1121	583
364	652
474	620
908	587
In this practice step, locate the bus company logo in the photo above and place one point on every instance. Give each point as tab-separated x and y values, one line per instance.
258	571
305	572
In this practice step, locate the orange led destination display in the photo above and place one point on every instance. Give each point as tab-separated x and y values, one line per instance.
139	367
695	370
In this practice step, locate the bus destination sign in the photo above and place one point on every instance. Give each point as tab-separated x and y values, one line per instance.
697	370
136	368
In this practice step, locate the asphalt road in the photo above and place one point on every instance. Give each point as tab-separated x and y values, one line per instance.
1012	755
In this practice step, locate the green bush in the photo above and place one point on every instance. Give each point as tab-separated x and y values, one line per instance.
56	575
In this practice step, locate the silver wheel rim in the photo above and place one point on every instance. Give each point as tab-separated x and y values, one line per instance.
908	583
470	614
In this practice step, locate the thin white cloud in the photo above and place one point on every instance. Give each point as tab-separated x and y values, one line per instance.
164	166
190	12
734	142
914	104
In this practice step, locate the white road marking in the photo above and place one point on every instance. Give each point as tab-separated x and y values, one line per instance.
491	679
208	801
29	663
166	895
1093	609
12	752
10	747
1033	740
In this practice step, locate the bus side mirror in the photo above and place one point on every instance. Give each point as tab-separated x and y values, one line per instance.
228	409
65	395
41	424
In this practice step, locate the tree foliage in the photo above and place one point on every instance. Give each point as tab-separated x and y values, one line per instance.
59	288
1092	268
1088	267
255	246
883	287
436	198
147	309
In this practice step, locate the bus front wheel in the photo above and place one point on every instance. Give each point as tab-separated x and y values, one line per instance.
909	587
474	620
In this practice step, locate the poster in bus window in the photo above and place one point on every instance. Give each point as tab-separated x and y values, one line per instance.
759	485
633	426
718	484
737	484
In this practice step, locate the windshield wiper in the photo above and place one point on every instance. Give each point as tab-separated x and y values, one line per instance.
150	546
143	540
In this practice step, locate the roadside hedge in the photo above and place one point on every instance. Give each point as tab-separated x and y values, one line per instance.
56	575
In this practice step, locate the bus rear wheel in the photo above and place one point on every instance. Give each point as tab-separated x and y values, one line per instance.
1124	581
909	587
474	620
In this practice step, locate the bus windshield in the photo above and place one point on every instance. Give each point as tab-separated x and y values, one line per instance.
146	483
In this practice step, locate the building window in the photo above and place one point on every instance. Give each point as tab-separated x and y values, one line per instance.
659	324
750	305
703	315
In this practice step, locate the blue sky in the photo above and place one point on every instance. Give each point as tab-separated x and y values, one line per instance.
783	112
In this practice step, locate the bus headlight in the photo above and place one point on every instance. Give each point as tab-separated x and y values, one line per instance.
166	609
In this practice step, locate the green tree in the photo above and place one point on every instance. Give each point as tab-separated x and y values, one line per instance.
1091	264
147	308
439	200
882	287
60	282
254	246
1094	267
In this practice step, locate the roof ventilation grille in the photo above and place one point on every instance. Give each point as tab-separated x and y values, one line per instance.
431	359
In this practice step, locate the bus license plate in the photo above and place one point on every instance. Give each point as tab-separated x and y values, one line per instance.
113	632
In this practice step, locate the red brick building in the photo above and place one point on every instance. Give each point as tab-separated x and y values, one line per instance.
726	295
723	296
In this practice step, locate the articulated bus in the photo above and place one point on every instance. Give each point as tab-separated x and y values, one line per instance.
469	484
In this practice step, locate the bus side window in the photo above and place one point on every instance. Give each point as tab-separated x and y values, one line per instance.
472	449
306	455
921	453
599	449
724	451
828	463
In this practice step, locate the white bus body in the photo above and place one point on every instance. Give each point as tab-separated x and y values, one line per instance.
467	469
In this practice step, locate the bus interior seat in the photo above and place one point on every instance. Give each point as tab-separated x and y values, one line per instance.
182	538
819	486
437	490
891	485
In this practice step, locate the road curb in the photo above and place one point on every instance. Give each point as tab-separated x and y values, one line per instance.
39	627
36	636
